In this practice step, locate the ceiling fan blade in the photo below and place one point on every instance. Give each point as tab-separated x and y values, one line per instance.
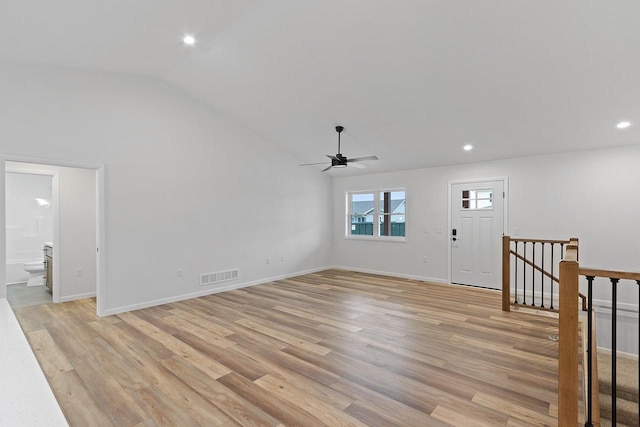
327	168
360	159
311	164
359	165
332	157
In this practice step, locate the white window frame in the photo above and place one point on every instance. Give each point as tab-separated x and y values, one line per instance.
376	216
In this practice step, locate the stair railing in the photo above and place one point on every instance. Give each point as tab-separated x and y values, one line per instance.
570	272
614	279
529	268
521	267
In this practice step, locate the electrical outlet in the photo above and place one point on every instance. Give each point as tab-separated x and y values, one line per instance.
516	231
79	272
424	259
439	230
179	272
268	260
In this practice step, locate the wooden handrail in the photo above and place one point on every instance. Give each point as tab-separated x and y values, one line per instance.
611	274
539	241
583	298
526	261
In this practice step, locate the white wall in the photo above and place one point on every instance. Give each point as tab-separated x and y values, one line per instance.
29	223
77	233
3	247
185	187
592	195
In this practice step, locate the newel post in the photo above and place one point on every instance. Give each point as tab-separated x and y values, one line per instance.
568	340
506	273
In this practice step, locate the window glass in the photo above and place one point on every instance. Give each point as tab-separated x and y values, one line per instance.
391	202
390	215
395	225
361	214
477	199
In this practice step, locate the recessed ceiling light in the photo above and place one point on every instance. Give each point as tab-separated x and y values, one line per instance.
189	40
623	125
468	147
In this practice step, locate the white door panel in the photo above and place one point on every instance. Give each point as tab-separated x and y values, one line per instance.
477	218
466	243
487	248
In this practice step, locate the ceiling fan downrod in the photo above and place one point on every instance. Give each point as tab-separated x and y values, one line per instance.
339	129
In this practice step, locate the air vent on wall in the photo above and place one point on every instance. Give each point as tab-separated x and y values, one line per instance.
217	277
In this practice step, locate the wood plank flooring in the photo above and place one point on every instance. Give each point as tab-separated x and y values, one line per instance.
333	348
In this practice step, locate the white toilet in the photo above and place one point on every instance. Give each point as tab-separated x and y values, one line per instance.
36	273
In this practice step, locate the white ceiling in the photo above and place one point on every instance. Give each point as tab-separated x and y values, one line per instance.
412	81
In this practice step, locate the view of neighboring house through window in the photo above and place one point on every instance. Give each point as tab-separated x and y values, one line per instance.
477	199
386	209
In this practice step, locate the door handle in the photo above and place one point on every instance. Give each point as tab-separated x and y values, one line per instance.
454	233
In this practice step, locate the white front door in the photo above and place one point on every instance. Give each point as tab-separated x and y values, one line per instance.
477	210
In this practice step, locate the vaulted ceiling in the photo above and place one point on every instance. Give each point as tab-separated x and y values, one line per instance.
412	81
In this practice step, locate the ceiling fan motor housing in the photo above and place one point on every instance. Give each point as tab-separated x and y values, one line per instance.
339	160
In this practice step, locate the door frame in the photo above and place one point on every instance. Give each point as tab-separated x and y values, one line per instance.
41	164
505	214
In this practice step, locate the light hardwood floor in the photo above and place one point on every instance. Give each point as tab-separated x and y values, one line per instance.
331	348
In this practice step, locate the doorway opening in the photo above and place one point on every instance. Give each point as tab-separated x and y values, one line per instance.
67	236
29	228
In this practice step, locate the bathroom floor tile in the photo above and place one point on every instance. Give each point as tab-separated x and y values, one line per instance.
21	295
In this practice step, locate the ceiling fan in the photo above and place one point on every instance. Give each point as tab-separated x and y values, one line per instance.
340	161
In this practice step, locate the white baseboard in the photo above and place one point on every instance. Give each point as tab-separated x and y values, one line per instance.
629	356
393	274
623	309
229	287
77	296
600	306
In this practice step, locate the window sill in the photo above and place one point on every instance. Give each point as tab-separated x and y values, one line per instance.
378	239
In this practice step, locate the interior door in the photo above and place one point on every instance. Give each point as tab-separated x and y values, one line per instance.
477	211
